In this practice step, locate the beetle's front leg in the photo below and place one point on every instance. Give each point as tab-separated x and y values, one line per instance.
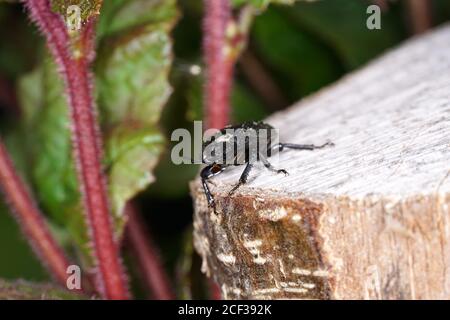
207	192
207	173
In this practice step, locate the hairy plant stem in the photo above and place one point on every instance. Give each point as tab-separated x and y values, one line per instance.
220	56
74	56
147	255
219	62
30	219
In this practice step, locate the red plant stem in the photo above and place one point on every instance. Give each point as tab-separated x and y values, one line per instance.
111	279
420	15
261	81
383	4
214	290
148	258
31	219
219	65
219	70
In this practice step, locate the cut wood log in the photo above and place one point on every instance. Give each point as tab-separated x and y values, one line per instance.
366	219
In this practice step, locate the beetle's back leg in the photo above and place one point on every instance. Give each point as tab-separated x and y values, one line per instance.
281	146
243	179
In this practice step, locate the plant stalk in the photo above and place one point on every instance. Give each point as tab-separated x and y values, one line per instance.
74	59
147	255
30	219
219	63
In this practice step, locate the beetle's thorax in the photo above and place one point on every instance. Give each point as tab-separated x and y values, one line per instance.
237	145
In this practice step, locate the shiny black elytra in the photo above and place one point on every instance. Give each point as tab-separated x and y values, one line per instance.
213	168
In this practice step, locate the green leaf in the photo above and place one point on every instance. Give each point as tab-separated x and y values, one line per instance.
88	8
52	169
132	76
24	290
341	24
130	63
300	63
119	15
262	4
131	156
131	81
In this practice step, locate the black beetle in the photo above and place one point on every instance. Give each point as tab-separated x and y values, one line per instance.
232	146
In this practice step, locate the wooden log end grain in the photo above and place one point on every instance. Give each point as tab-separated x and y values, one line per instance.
366	219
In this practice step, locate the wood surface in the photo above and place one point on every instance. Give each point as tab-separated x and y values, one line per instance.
366	219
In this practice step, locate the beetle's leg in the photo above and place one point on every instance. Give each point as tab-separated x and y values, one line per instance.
269	166
207	173
243	179
281	146
207	192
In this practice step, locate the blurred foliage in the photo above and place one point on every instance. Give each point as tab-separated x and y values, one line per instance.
88	8
18	48
18	259
261	4
351	41
149	81
129	59
24	290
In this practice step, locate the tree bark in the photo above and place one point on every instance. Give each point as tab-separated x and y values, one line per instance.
366	219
